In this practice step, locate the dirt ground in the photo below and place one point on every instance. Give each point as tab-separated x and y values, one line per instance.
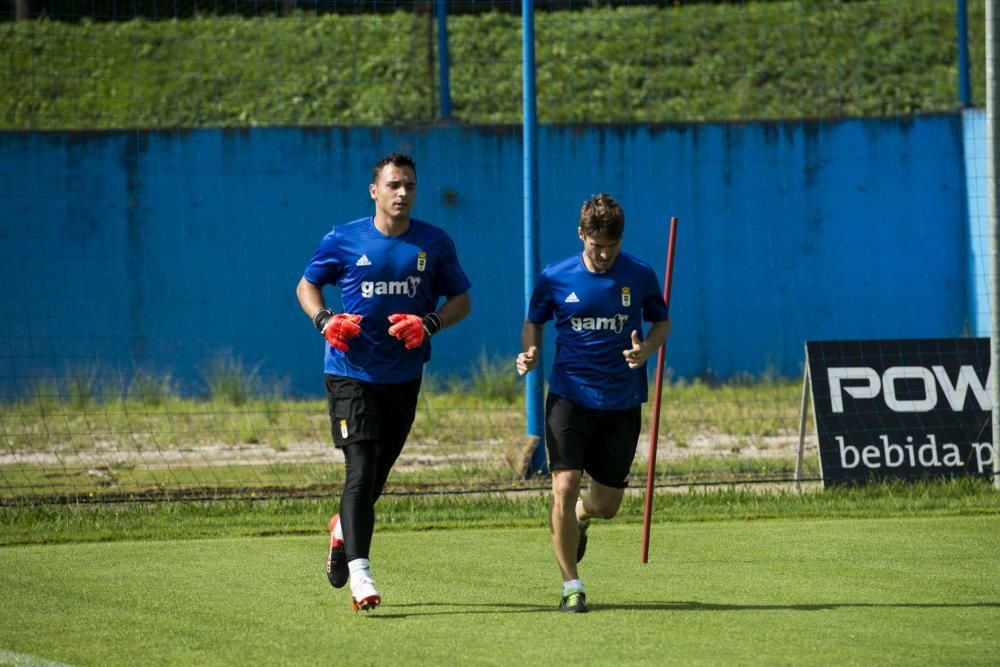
416	455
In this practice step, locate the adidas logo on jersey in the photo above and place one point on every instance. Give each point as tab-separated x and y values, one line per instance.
364	261
572	298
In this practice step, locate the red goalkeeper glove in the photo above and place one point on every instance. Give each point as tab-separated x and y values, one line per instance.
339	329
413	330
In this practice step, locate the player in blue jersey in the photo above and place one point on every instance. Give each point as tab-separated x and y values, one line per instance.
392	271
599	300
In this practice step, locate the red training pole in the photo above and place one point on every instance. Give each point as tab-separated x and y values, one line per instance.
660	359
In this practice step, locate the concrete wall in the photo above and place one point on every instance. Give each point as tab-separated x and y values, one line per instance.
165	250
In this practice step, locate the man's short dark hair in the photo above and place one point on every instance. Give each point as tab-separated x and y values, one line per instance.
395	159
601	215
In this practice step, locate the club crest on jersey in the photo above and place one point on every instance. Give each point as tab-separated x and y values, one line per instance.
421	260
626	296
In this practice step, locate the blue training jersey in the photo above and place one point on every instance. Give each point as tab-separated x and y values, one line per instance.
378	276
595	315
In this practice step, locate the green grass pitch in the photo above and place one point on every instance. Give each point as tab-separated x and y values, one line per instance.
905	591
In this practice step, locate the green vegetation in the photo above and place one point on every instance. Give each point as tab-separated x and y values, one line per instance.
149	413
894	591
108	439
27	523
232	381
755	60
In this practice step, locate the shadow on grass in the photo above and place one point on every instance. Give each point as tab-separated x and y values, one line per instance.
460	609
691	605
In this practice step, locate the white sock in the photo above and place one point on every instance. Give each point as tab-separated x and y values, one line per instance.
338	530
359	568
572	585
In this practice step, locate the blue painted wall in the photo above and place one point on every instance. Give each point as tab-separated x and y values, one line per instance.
977	187
164	250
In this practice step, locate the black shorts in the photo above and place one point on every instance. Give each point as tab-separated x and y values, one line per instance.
368	411
600	442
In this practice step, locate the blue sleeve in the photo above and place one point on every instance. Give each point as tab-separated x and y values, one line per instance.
325	267
654	308
542	307
450	279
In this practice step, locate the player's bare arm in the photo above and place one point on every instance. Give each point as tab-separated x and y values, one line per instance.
454	309
310	297
531	342
636	355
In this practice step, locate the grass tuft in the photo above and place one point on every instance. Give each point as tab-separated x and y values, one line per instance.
231	380
150	388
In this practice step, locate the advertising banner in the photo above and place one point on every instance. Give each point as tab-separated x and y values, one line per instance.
910	409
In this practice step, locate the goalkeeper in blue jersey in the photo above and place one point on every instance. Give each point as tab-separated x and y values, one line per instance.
599	300
392	271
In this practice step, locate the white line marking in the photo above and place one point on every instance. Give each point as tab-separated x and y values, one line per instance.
25	660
